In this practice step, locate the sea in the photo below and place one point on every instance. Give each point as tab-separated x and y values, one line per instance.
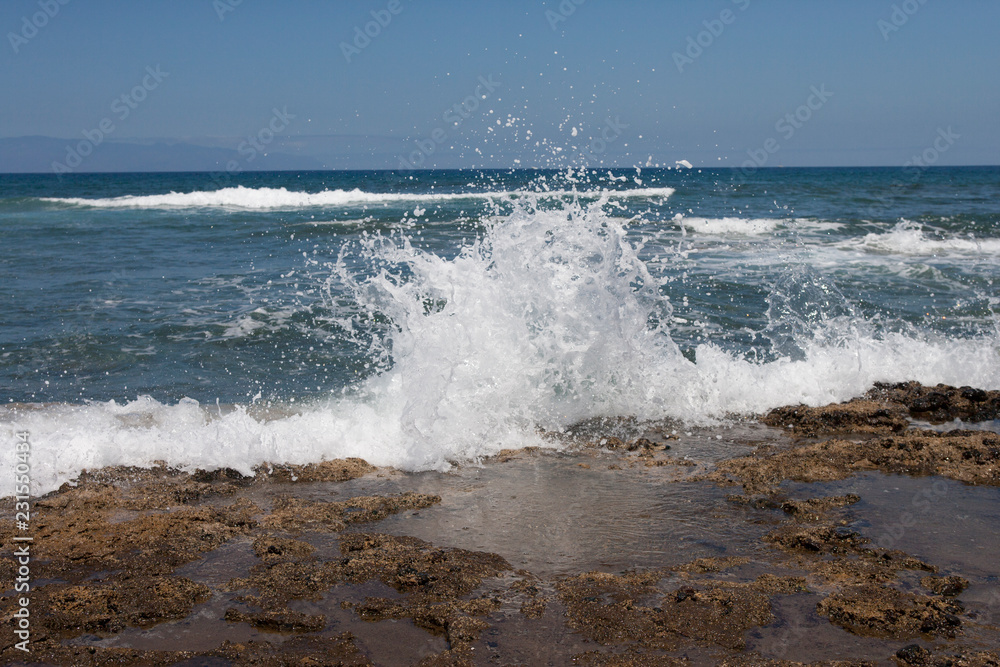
425	319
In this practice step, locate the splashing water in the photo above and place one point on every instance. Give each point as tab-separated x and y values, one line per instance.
550	316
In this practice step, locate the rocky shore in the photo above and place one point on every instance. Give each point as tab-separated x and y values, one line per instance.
777	542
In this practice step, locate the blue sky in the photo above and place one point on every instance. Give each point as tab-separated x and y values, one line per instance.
717	83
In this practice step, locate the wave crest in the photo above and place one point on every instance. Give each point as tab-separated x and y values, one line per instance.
241	197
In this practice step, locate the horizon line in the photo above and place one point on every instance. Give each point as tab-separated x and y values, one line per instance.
553	169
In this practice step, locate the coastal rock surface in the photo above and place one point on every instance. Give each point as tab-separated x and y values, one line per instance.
323	564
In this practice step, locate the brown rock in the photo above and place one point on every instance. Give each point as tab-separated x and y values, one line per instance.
855	416
110	606
947	586
296	514
880	611
278	621
940	403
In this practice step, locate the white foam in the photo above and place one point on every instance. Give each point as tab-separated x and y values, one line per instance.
395	425
909	238
814	225
245	325
537	325
729	226
242	197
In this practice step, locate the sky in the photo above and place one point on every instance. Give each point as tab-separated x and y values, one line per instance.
518	83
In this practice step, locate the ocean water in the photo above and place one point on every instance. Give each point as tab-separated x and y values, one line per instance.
426	318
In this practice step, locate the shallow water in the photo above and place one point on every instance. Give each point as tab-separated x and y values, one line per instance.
548	515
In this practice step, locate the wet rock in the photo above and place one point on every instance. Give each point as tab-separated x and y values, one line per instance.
606	608
50	651
278	621
972	457
881	611
435	583
139	489
940	403
814	509
462	657
816	539
886	408
534	601
408	564
631	658
507	455
711	564
840	556
338	470
915	655
597	428
775	584
947	586
612	443
757	660
450	618
756	502
108	607
273	549
856	416
647	445
80	531
221	475
628	610
296	514
644	446
278	583
298	651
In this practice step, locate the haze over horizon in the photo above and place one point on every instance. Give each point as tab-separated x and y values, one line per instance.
239	85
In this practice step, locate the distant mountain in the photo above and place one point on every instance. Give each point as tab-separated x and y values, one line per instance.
37	154
47	155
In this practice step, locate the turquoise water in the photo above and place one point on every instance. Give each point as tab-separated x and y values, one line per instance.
386	311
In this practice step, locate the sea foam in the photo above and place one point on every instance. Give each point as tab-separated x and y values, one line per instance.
241	197
729	226
910	238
